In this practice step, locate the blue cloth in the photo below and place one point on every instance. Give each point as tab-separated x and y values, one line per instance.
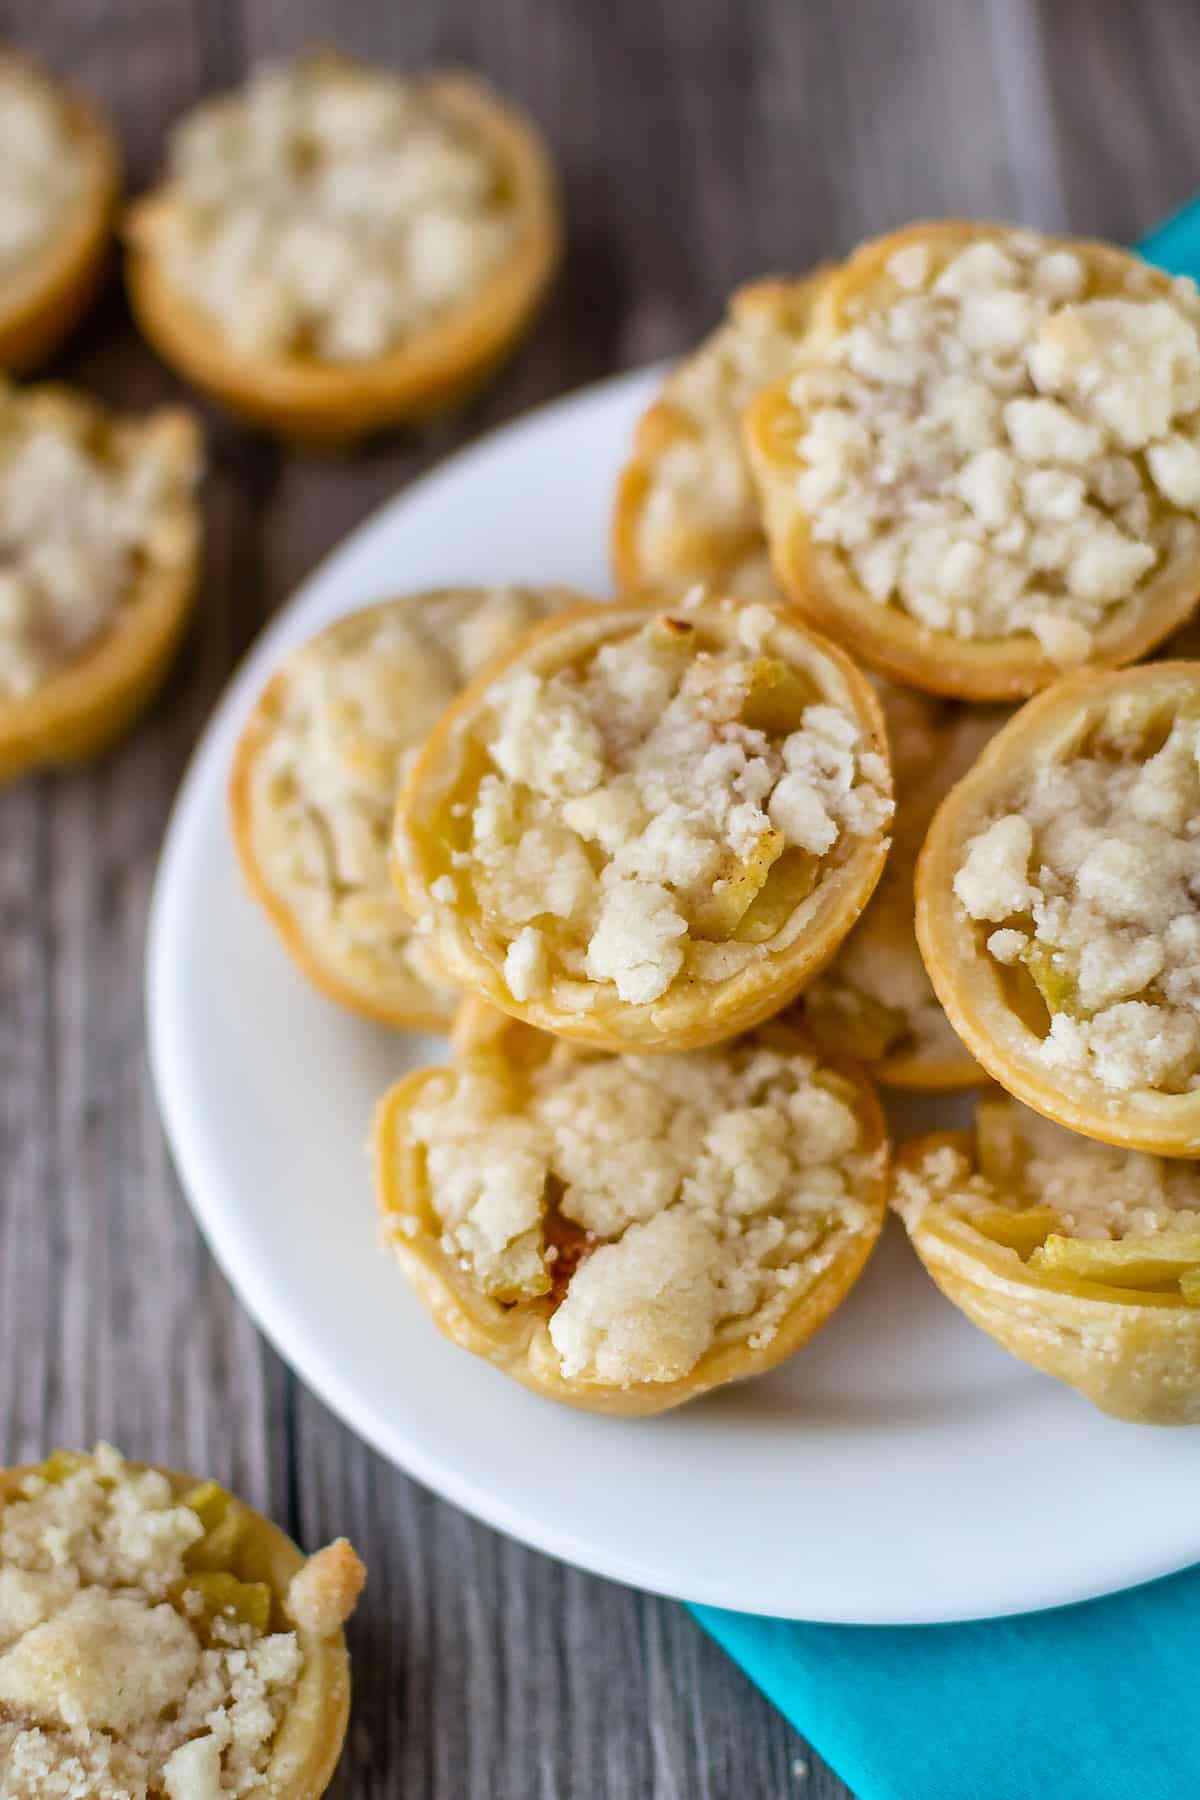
1091	1702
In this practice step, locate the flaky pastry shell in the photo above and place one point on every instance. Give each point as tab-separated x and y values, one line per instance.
79	710
515	1337
691	1013
714	555
309	1739
327	403
380	986
995	1012
932	742
40	304
817	577
1135	1354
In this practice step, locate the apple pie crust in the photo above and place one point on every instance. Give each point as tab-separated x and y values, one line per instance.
686	508
158	1638
875	1002
335	249
623	1233
985	468
100	533
1080	1258
648	830
1058	906
314	781
60	179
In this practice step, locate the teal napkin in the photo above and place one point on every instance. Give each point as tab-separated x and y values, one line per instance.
1091	1702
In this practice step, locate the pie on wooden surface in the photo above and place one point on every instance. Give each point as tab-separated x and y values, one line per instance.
101	533
158	1638
60	179
335	248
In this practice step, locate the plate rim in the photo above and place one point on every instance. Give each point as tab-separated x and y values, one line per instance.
271	1312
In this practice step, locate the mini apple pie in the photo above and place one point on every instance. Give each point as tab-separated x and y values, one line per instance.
623	1233
314	781
1058	906
648	830
99	535
60	178
986	466
336	249
875	1001
158	1638
686	508
1080	1258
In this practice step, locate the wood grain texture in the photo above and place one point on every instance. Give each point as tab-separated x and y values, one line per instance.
701	142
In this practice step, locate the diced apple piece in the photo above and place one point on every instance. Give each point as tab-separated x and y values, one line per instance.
1023	1231
1147	1262
720	913
853	1024
1055	984
790	881
776	697
221	1595
998	1148
62	1463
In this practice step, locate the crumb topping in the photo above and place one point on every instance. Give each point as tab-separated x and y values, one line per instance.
704	1193
635	825
354	704
41	170
331	210
86	504
875	1000
1021	1161
1000	442
700	519
113	1683
1089	884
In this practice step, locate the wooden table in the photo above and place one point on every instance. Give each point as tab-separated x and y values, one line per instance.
701	142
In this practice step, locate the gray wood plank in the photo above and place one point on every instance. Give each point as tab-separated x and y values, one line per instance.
700	143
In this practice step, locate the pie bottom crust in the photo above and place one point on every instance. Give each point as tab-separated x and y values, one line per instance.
516	1339
83	708
1134	1355
309	1740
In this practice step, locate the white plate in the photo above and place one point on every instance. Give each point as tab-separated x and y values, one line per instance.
901	1469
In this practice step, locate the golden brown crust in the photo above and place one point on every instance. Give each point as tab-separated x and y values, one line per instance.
440	366
43	303
709	557
932	743
386	991
85	706
885	637
972	986
1135	1355
406	1003
309	1740
516	1338
686	1017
